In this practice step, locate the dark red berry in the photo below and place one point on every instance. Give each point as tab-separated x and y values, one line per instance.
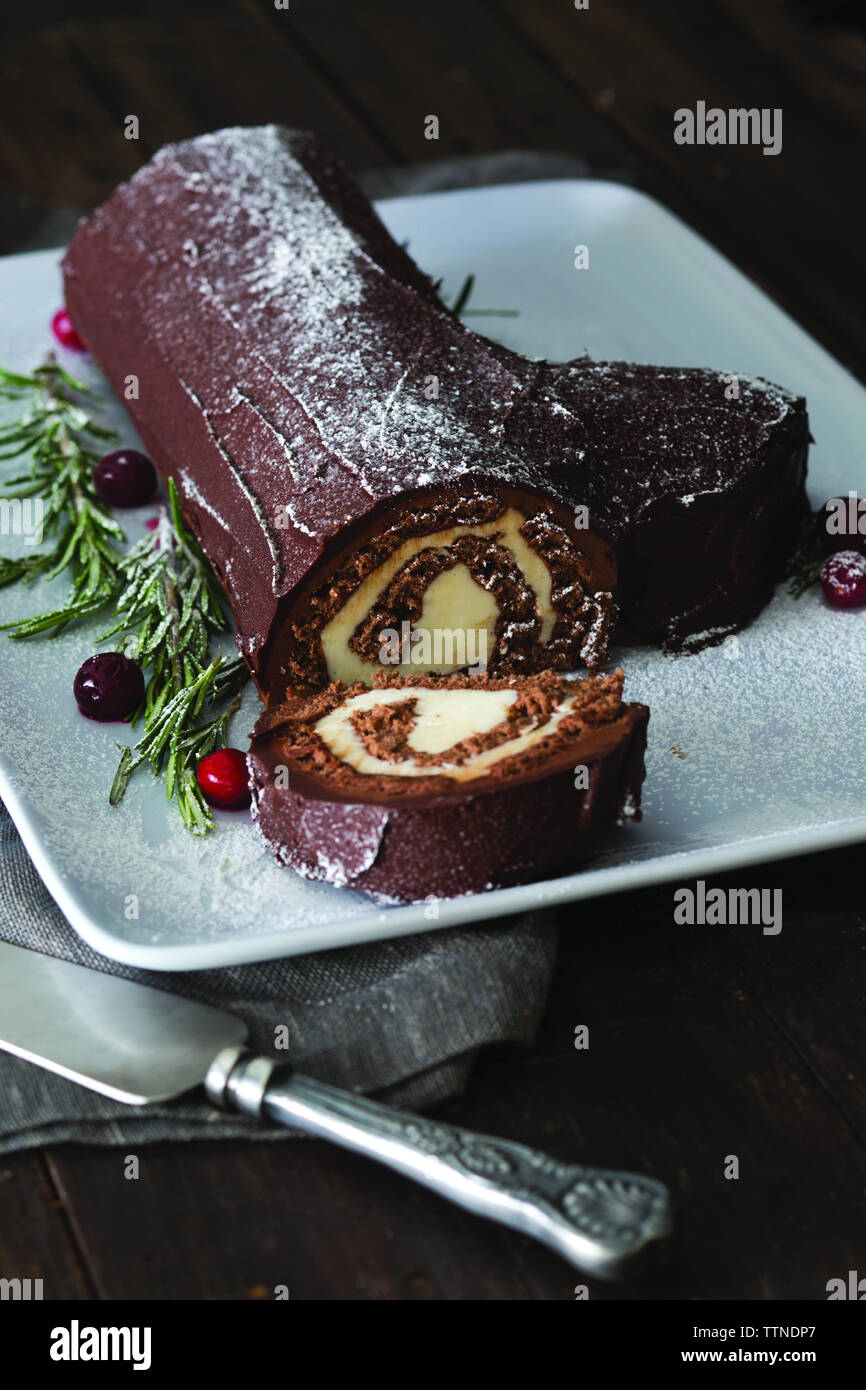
108	686
838	524
843	579
125	478
61	327
223	777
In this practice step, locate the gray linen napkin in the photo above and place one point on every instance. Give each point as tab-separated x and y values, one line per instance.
404	1018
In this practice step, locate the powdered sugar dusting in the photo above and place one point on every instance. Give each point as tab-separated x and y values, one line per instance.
249	494
190	488
689	432
360	357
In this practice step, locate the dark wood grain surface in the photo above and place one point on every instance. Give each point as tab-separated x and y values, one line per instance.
704	1042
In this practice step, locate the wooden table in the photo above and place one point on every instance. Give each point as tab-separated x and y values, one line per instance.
704	1042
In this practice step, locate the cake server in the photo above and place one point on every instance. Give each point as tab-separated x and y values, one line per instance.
140	1045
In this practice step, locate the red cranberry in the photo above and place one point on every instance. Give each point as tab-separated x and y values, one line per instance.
108	686
61	327
844	510
843	579
223	777
125	478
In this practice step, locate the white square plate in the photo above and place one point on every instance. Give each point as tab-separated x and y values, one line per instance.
756	748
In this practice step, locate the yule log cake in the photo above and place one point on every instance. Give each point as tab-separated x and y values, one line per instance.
450	785
358	466
353	459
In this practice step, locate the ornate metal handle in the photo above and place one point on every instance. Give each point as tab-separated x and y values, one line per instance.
597	1219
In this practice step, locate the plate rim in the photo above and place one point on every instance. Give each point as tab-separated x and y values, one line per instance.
542	895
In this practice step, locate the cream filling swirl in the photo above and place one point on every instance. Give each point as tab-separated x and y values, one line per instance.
443	719
453	602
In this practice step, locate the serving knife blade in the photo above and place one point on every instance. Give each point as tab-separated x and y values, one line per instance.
140	1045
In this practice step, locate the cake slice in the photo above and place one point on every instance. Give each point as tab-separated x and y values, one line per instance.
441	786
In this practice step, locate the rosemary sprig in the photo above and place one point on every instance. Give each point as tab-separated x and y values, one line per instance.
461	309
809	558
168	609
804	570
64	442
464	296
165	597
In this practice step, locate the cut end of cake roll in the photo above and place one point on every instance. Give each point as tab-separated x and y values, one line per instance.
429	786
485	583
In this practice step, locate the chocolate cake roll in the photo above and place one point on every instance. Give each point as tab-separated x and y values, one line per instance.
366	474
442	786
